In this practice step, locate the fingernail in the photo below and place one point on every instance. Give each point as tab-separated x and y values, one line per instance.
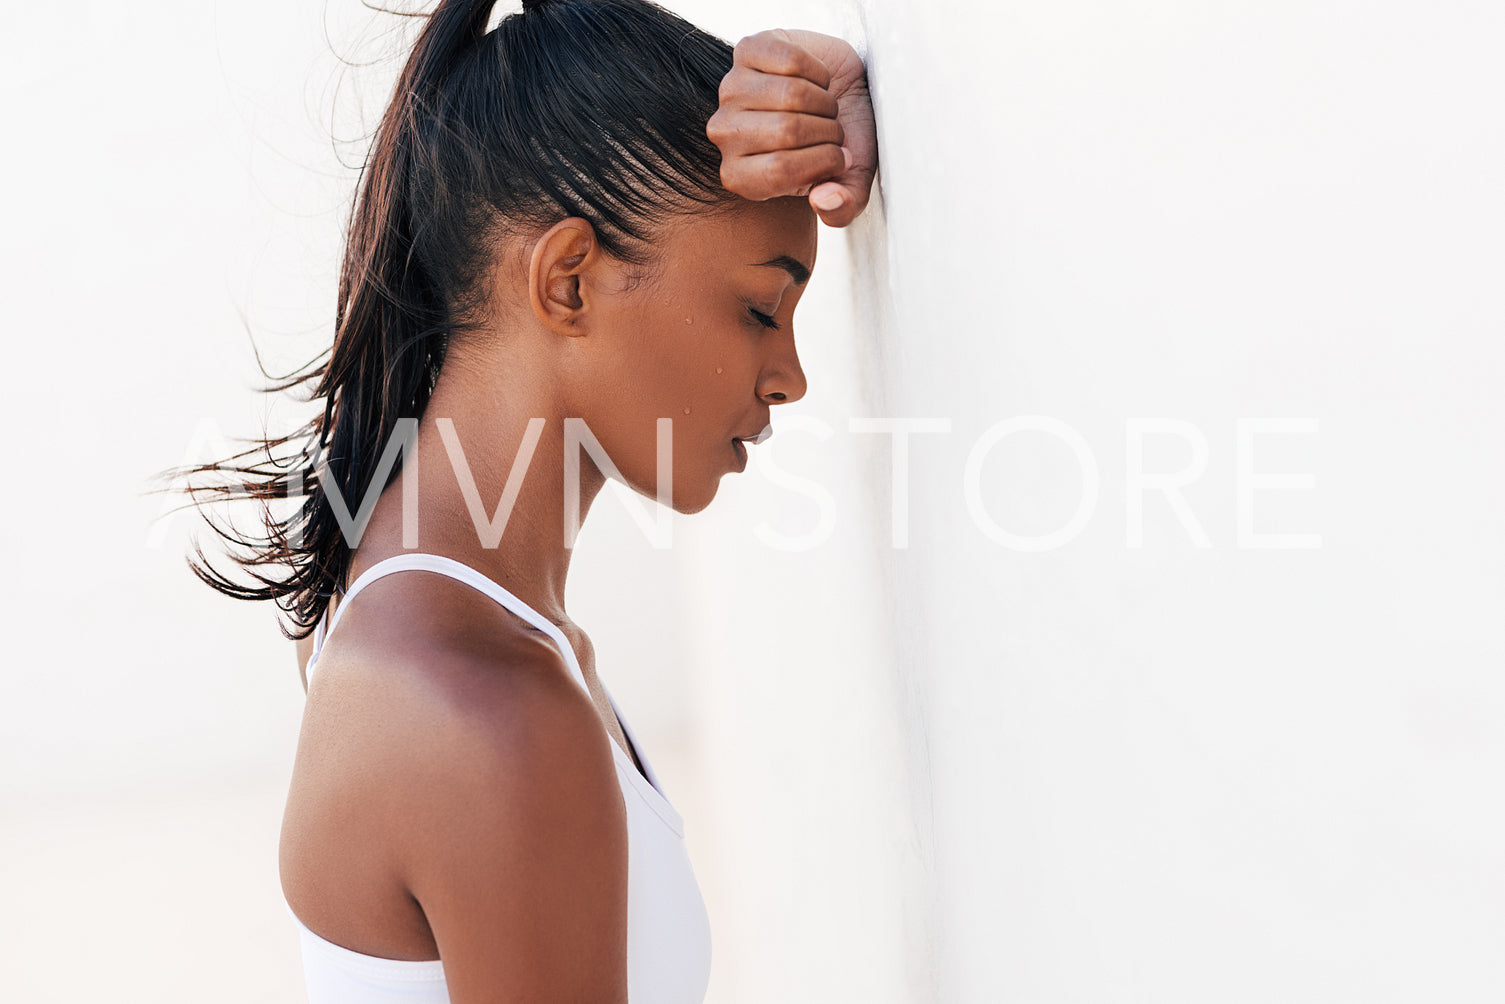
846	156
828	200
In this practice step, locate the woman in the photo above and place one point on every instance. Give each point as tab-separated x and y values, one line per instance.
589	219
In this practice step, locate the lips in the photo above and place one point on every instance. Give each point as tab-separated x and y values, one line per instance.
739	444
759	437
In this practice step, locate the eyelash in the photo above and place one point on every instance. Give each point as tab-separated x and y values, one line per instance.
764	319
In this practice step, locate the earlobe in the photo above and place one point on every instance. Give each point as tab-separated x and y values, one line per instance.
561	256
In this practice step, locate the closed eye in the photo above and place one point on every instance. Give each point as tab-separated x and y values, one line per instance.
764	319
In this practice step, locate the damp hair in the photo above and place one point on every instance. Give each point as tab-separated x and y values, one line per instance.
588	108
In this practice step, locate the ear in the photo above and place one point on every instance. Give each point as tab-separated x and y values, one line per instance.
567	253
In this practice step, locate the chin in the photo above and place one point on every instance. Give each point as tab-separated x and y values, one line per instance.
691	506
686	499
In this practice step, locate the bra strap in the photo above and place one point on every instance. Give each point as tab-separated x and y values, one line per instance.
422	561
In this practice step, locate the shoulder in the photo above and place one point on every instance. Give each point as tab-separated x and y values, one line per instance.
461	723
484	780
510	734
494	756
515	846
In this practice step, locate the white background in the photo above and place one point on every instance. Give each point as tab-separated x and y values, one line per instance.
955	771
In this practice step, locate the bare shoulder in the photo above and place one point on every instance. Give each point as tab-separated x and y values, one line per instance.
456	724
469	776
516	849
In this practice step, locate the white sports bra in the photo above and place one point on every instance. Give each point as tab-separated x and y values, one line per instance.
668	931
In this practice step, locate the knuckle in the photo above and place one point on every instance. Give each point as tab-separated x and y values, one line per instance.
735	83
785	131
758	44
781	56
739	180
787	93
771	51
782	174
735	179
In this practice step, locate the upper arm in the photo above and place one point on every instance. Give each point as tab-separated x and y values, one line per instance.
517	848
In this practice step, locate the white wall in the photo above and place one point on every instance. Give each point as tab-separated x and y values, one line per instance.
954	771
1179	772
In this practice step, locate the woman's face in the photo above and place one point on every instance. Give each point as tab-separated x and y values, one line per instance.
706	339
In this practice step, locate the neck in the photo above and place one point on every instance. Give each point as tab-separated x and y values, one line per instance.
475	432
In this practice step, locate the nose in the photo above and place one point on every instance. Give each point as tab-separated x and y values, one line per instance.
783	380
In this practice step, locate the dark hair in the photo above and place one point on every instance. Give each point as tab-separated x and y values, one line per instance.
590	108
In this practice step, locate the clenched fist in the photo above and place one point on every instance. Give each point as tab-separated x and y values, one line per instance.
796	119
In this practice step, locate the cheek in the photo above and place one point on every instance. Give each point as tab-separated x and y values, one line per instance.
694	361
717	378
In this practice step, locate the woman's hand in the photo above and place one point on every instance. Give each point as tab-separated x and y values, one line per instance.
796	119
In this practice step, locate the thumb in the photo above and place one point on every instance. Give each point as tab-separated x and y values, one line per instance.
841	200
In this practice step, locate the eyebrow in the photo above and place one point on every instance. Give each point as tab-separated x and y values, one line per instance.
796	270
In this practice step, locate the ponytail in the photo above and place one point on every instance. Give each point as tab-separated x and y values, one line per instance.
592	108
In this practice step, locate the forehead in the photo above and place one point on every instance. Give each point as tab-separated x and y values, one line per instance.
745	234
